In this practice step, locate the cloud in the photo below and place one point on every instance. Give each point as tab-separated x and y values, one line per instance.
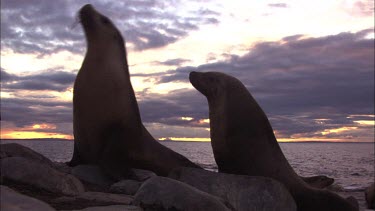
362	8
308	87
24	112
53	80
299	80
173	62
45	27
278	5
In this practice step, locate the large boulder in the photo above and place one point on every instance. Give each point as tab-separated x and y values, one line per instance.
142	174
112	208
161	193
370	196
242	192
14	201
91	174
96	199
129	187
17	150
39	175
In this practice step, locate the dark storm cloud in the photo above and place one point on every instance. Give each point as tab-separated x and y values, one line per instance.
300	80
45	27
53	80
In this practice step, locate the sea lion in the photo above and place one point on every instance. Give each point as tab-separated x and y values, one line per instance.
243	141
108	130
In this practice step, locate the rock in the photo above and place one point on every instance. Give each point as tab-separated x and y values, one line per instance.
95	199
142	175
14	201
62	167
129	187
113	208
91	174
17	150
319	181
242	192
161	193
352	200
370	196
31	172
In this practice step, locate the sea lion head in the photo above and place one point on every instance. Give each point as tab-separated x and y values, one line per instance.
98	28
214	85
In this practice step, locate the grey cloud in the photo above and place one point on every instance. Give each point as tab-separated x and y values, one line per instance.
25	112
5	77
44	27
172	62
47	80
296	82
302	79
278	5
168	109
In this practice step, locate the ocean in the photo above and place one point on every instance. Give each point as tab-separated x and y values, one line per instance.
350	164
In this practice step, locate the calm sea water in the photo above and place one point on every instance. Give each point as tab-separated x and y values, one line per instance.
351	164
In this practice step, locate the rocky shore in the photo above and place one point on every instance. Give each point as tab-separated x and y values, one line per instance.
30	181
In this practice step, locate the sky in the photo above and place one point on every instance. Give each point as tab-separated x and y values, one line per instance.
309	64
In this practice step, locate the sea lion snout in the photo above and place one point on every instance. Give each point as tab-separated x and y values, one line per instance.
194	78
86	9
87	16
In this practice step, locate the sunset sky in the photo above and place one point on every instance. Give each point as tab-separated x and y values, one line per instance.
309	64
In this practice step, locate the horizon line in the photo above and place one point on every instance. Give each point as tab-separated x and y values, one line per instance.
62	139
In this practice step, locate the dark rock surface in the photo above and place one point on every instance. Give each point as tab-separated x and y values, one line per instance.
113	208
129	187
161	193
142	175
39	175
17	150
91	174
14	201
319	181
242	192
370	196
96	198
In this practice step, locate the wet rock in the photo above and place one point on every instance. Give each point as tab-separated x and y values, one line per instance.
91	174
319	181
370	196
142	175
161	193
34	173
129	187
113	208
14	201
17	150
242	192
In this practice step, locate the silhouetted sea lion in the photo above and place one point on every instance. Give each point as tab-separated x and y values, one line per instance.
107	125
243	141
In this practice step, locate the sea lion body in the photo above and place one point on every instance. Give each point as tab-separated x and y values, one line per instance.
243	141
107	125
